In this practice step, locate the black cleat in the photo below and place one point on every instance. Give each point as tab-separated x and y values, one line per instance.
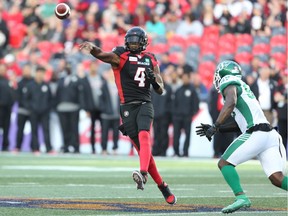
169	197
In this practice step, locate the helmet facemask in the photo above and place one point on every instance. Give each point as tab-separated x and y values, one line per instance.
216	80
133	43
136	40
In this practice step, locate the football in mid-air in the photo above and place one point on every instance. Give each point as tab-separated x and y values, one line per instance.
62	11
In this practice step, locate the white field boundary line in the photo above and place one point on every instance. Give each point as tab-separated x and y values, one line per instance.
175	186
68	168
145	197
206	213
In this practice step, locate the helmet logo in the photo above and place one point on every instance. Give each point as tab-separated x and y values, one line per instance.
235	70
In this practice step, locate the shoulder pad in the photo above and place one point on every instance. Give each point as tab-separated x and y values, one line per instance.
119	50
229	80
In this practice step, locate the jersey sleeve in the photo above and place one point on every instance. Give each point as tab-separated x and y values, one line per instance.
229	80
153	59
118	50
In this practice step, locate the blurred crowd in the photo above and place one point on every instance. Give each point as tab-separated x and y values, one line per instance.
42	65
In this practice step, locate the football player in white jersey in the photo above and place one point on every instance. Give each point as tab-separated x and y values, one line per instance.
258	138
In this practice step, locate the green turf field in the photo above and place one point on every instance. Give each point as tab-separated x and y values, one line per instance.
97	185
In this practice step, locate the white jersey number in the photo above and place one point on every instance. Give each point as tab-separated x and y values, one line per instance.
140	76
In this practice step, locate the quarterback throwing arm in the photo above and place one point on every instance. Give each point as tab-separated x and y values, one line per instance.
149	75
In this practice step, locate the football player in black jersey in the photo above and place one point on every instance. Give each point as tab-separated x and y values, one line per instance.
134	72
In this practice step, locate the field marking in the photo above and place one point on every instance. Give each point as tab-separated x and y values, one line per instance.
67	168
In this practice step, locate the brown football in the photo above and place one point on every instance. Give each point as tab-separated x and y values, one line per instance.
62	11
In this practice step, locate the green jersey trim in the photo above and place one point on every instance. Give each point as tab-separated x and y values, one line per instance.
235	145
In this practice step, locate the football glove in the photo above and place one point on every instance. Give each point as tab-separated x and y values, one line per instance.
207	130
150	75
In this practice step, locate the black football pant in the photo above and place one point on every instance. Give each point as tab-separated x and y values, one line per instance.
69	123
21	120
221	142
5	114
94	116
178	125
106	125
37	120
161	137
282	125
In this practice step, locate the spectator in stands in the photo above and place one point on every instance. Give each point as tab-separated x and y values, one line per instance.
7	97
162	118
38	101
23	113
69	100
190	26
199	87
264	89
185	106
47	8
155	27
182	63
31	18
12	66
235	8
222	16
241	24
141	16
171	23
208	18
110	116
108	26
93	84
4	33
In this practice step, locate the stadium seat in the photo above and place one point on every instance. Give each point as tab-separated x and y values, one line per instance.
244	57
279	57
261	39
244	48
276	49
244	40
159	39
173	57
158	48
278	31
192	40
261	49
227	56
228	38
246	68
176	48
208	57
206	71
263	57
278	40
177	41
212	30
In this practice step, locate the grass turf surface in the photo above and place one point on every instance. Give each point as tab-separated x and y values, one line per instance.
97	185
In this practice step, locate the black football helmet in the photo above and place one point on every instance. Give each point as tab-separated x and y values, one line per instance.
136	40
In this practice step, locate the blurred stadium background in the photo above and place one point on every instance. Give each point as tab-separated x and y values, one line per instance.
181	32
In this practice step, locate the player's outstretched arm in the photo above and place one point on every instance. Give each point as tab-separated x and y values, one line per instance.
108	57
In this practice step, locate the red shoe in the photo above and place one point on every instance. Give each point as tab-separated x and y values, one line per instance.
36	153
52	152
169	197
